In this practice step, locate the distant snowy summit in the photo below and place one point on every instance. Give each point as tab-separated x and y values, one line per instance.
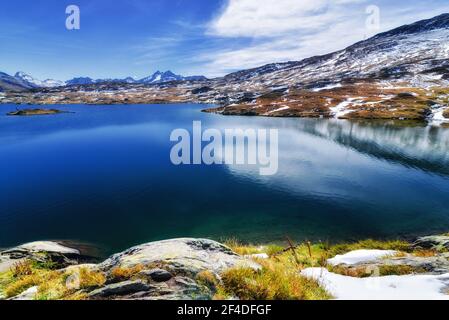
155	78
168	76
23	80
36	83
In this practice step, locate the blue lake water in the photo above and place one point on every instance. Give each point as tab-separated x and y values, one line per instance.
103	175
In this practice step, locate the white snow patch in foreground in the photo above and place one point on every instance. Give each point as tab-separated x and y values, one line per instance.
410	287
361	256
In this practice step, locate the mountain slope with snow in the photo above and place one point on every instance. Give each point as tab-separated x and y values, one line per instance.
416	52
168	76
33	82
401	74
10	83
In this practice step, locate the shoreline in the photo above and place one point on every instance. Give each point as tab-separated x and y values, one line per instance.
165	269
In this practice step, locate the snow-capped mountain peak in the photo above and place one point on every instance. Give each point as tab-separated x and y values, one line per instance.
33	82
160	77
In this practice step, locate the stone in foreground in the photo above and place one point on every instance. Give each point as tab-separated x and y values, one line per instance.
186	256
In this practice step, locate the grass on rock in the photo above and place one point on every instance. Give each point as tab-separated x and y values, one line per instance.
52	284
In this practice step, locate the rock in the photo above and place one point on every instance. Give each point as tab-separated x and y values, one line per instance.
180	256
120	289
26	295
48	246
6	263
42	251
157	275
178	288
431	265
169	268
439	243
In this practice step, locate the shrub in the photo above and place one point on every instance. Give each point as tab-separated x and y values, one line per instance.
22	268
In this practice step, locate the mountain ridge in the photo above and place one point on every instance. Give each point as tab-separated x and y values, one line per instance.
399	74
24	81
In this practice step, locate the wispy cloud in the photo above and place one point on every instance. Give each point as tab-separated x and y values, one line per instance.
284	30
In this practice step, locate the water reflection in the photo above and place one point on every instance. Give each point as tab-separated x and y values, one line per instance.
413	145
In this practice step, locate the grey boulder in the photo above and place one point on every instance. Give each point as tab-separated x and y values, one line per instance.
185	256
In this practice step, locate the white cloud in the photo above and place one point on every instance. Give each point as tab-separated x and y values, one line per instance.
284	30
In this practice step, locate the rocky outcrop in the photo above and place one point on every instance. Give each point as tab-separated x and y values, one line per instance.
42	251
27	294
120	289
180	256
169	270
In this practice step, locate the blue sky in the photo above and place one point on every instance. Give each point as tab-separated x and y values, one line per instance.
137	37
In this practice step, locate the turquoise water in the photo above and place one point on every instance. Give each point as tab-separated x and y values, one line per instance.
103	175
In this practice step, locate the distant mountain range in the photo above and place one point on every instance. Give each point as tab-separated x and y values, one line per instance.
414	55
24	81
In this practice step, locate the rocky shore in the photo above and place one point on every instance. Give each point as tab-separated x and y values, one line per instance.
200	269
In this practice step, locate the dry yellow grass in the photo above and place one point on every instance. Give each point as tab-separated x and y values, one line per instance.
125	273
240	248
207	279
383	270
275	281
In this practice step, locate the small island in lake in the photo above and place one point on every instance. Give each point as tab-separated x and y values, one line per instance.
34	112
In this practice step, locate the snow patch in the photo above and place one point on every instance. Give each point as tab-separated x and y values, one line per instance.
332	86
280	109
361	256
342	108
437	114
410	287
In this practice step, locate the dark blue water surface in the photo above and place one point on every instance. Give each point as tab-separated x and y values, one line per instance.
103	175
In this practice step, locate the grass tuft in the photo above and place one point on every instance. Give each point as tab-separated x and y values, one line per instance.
396	245
125	273
207	279
91	279
240	248
274	282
